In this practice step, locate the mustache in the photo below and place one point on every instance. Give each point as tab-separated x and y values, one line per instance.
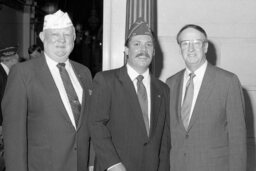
143	54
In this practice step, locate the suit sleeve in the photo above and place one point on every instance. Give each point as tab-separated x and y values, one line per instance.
14	106
165	144
236	126
99	116
2	87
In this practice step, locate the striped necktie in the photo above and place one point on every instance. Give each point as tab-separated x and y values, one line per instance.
187	102
143	100
71	93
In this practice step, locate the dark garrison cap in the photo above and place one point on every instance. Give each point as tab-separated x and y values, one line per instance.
140	27
8	51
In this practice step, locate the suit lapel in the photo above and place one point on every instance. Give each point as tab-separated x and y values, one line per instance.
178	96
132	99
85	86
3	71
156	99
49	84
204	92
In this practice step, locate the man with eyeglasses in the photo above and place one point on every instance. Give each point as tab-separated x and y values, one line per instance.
206	111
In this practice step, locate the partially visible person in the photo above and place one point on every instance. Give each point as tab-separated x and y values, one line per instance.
45	106
34	51
206	111
129	116
8	58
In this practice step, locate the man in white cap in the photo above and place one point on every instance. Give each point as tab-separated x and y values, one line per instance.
129	115
45	106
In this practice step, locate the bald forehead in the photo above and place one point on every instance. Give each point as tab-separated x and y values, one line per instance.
191	34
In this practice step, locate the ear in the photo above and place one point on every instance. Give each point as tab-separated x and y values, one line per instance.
180	50
205	47
74	36
126	51
74	33
41	35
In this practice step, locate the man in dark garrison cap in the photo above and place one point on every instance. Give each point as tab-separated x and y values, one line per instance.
128	117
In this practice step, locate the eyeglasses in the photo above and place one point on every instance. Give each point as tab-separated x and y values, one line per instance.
197	44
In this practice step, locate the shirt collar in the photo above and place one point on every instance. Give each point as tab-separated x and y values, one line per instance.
6	69
199	72
52	64
133	74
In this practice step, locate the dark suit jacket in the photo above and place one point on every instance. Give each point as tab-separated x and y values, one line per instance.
3	80
216	136
117	126
38	133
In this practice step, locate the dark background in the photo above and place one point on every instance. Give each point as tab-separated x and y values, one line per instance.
87	18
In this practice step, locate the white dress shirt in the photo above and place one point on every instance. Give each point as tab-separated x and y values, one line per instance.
6	69
58	81
146	81
198	79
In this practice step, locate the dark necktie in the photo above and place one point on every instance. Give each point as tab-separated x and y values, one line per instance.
187	102
71	93
143	100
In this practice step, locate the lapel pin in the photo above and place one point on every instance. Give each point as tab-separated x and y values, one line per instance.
90	92
159	96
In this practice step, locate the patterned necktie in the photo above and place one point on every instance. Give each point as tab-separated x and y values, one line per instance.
143	100
71	93
187	102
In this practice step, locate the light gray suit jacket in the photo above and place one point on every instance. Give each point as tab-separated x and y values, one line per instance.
216	136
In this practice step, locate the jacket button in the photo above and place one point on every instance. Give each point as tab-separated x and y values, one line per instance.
187	136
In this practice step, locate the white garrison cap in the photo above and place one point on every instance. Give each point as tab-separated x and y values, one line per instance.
57	20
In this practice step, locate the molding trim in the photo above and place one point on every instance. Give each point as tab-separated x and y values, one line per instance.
249	87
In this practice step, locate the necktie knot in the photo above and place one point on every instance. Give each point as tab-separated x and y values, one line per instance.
192	75
61	65
140	78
